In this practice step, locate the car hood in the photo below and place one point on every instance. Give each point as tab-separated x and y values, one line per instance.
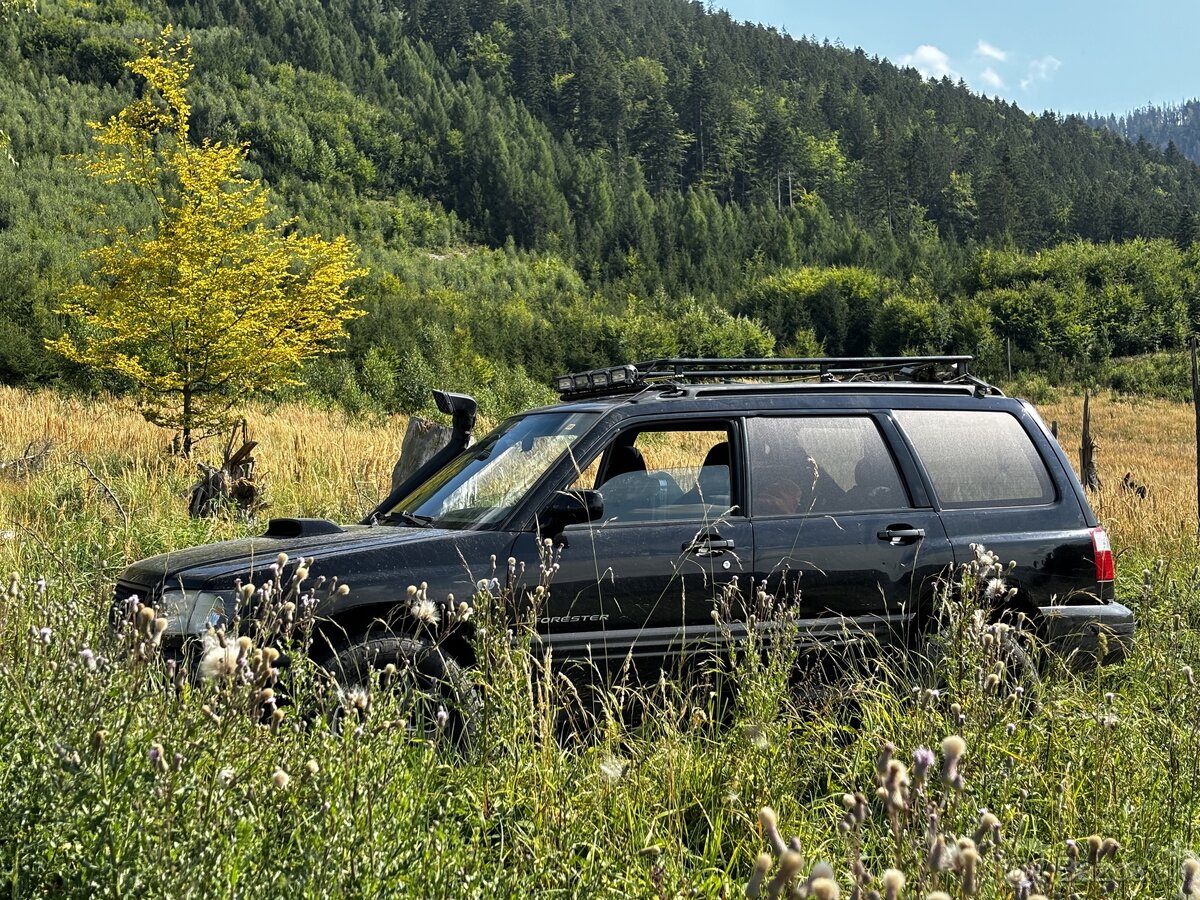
192	567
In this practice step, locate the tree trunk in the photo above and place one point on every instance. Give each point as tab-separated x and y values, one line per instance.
422	439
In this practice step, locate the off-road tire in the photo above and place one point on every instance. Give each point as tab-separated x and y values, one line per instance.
426	679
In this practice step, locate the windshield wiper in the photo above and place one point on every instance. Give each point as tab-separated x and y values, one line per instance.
409	518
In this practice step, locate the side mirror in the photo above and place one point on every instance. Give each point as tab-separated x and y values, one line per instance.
572	508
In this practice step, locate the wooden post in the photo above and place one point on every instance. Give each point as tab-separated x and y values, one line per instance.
1196	405
1087	451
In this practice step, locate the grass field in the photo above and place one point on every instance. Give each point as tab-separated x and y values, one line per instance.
116	782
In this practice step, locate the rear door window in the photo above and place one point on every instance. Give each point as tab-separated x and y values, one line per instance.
821	465
978	457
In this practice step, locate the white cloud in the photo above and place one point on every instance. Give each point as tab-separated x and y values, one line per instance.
992	79
983	48
930	62
1040	70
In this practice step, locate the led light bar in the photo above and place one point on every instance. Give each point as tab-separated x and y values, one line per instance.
598	381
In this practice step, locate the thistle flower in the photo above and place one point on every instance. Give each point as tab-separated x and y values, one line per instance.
857	812
937	895
89	659
883	759
938	859
425	611
219	662
612	769
1021	884
1191	878
893	884
989	825
967	865
280	778
923	758
226	777
953	749
789	864
762	865
894	790
45	635
824	889
312	767
157	757
770	827
1094	844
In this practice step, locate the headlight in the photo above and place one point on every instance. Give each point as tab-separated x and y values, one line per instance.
190	613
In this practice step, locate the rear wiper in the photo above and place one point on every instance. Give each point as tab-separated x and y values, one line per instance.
409	518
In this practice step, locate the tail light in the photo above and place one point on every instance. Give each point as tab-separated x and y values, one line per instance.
1102	553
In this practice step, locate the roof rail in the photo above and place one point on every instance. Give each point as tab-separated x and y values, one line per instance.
636	376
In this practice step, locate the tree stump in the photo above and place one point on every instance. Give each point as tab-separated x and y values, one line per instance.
232	484
422	439
30	462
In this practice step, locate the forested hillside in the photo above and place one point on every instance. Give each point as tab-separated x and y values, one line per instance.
538	186
1160	126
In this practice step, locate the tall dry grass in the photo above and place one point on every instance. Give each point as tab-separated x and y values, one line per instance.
1154	441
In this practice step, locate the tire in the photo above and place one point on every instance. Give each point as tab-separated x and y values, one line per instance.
426	681
1019	668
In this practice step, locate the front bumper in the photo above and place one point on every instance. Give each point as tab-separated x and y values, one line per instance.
1089	635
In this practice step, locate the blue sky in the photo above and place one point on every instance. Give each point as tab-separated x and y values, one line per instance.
1067	56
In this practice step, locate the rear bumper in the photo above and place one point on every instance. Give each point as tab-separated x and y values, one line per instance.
1089	635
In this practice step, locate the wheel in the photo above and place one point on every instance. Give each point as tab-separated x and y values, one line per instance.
1015	667
432	690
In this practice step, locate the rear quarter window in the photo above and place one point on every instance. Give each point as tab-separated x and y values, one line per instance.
977	457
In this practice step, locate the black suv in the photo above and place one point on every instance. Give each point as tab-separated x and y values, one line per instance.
848	487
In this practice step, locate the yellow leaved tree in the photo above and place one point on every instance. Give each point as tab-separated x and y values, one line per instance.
211	303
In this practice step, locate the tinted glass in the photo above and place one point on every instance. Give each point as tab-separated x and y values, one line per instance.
655	475
486	481
821	465
977	458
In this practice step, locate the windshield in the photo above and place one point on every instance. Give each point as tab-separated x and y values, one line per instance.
483	483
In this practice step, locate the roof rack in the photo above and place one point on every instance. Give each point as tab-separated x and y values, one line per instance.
637	376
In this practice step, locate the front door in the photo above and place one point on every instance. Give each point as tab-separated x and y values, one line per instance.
644	578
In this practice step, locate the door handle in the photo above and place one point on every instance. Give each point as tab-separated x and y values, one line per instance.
901	534
707	543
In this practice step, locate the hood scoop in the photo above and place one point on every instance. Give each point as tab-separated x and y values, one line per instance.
296	528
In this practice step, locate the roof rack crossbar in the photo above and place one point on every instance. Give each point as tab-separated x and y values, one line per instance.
679	371
792	367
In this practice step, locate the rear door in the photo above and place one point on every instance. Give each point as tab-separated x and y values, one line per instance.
839	530
996	487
